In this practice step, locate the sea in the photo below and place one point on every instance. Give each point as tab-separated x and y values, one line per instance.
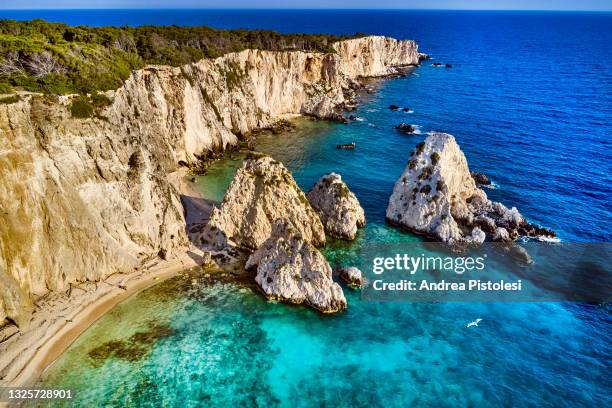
528	99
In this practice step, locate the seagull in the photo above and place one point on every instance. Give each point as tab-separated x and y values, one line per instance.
474	323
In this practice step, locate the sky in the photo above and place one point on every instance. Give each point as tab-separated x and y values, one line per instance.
587	5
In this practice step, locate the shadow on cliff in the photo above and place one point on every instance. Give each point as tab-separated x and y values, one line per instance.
197	214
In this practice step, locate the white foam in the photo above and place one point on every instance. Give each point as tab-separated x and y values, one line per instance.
417	130
492	186
549	239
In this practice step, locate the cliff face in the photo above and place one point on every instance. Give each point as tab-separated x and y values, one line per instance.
204	106
78	202
81	199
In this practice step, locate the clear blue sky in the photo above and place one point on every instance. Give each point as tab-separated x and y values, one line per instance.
598	5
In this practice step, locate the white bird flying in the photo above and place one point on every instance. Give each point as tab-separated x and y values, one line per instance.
474	323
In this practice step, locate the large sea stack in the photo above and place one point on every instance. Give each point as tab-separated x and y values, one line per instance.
436	196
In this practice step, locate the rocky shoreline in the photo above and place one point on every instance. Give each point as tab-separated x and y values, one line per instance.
84	198
107	186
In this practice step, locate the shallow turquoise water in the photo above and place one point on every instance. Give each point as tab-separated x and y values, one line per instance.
533	120
197	340
221	344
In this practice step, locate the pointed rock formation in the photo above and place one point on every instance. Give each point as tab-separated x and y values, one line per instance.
437	196
337	206
261	192
293	270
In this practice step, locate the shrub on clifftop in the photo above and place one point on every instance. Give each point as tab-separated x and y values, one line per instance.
56	58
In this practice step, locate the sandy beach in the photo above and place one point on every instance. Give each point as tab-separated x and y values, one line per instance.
61	317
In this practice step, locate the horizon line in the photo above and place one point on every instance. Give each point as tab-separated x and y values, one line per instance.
303	9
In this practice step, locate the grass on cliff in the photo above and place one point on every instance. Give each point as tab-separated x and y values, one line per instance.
56	58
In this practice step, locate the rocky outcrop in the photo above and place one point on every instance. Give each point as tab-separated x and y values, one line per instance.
374	56
437	196
353	277
261	192
405	128
81	199
337	206
291	269
481	178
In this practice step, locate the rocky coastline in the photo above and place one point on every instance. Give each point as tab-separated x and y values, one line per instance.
85	198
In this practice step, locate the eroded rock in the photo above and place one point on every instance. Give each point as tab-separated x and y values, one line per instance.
437	196
353	277
261	192
291	269
337	206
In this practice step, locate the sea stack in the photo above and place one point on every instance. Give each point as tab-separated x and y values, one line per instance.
291	269
437	196
261	192
337	207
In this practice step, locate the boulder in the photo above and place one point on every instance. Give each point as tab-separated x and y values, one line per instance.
501	235
481	178
477	237
394	107
353	277
261	192
405	128
337	207
437	196
290	269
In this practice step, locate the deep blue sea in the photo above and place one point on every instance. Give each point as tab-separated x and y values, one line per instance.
529	99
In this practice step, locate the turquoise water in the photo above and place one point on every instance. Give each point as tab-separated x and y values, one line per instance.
528	99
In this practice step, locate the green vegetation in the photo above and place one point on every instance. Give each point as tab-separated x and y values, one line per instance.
5	88
435	158
56	58
10	99
82	108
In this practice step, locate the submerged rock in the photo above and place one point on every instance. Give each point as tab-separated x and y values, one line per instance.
437	196
481	178
394	107
291	269
261	192
353	277
405	128
346	146
337	206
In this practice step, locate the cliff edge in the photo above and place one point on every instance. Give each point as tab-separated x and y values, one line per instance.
86	196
